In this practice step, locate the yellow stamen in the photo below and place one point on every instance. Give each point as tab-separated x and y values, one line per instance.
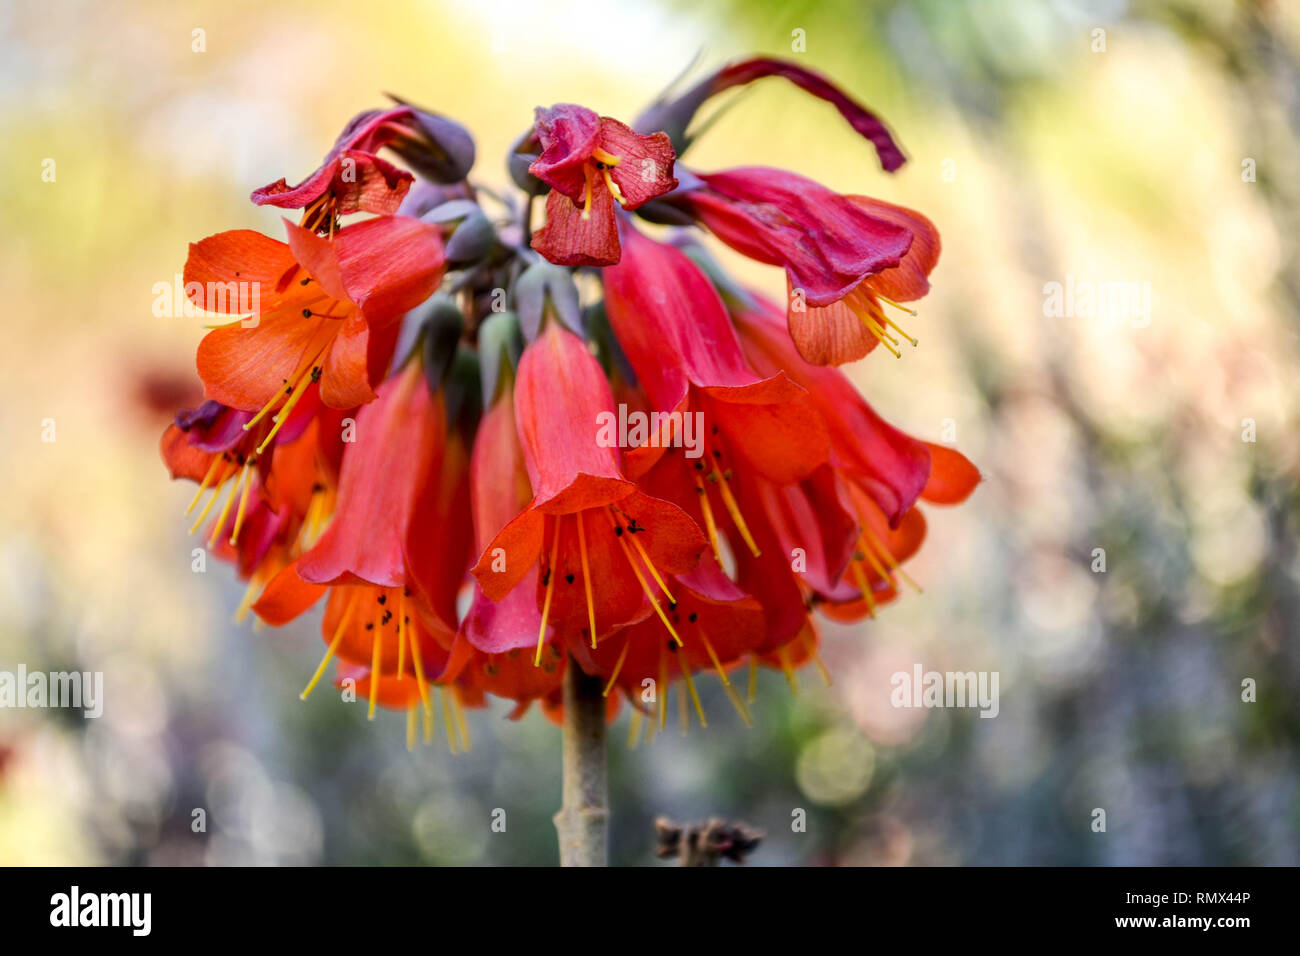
377	646
901	308
446	719
428	725
609	159
586	199
550	588
246	602
683	716
753	678
225	511
864	586
282	415
586	580
645	586
889	557
789	672
653	571
900	330
401	649
329	652
811	647
410	727
216	493
690	686
613	188
243	506
618	668
420	681
661	692
460	722
734	510
207	480
634	729
709	523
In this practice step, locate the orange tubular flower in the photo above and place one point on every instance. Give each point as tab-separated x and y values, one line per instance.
326	311
391	595
845	257
598	543
677	336
592	162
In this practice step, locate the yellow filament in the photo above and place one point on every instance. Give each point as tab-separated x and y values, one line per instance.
550	588
428	726
864	586
683	716
243	506
871	557
662	692
889	557
901	308
753	678
377	646
789	672
410	728
586	199
586	580
634	729
446	719
690	686
246	602
811	647
207	480
618	668
401	642
460	722
613	188
883	337
329	652
282	415
734	510
216	493
609	159
653	572
709	523
225	511
654	602
900	330
420	681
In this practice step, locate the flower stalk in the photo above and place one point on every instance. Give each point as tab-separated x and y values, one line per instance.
583	819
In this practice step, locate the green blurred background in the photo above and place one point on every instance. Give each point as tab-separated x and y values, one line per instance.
1039	156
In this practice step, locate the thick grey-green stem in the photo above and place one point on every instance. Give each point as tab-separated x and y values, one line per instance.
583	820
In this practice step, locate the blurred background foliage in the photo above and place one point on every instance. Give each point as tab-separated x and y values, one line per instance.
1039	157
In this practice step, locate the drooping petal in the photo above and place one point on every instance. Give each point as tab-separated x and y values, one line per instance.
952	476
399	446
286	596
560	396
569	239
645	168
909	280
835	334
825	242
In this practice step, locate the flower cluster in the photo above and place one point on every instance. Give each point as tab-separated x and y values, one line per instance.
413	425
